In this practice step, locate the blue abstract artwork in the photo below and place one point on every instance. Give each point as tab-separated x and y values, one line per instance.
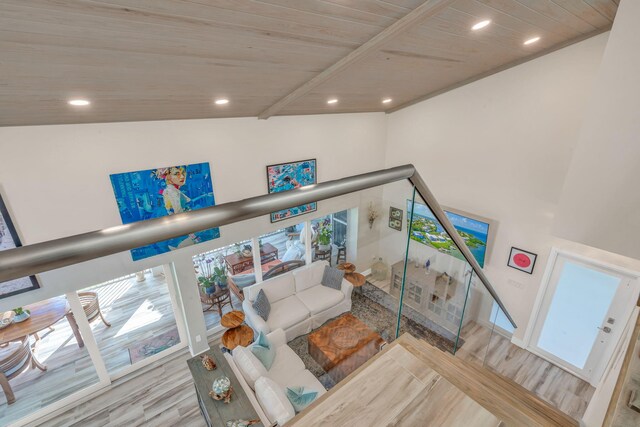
288	176
154	193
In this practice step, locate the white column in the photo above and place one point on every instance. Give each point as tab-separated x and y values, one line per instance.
187	286
88	338
257	261
308	257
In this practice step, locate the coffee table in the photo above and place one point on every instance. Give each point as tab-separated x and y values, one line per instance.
343	345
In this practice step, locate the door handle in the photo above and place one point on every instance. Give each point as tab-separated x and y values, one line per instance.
606	329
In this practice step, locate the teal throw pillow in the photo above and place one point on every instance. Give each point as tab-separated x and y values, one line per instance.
264	351
299	398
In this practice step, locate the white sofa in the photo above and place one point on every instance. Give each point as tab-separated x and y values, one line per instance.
266	388
299	303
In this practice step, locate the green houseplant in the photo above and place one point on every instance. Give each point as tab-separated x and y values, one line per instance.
21	314
324	237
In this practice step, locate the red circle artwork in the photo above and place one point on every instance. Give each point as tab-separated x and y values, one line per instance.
521	260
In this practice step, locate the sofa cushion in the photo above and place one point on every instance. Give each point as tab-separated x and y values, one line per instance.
307	380
244	280
262	306
263	350
309	275
300	397
276	288
286	313
286	365
248	364
273	400
332	278
320	298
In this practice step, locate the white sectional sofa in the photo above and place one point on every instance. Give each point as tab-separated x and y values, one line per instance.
299	303
266	389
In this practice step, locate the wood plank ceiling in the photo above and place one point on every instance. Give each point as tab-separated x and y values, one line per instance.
170	59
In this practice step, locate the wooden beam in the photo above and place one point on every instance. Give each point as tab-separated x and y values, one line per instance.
416	16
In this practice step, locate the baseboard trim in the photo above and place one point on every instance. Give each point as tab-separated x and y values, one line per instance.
520	343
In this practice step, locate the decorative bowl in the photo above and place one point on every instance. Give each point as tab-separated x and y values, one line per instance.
221	385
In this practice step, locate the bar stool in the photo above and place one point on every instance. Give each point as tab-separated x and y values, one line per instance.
342	255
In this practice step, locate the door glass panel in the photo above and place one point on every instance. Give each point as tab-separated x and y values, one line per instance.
131	318
580	303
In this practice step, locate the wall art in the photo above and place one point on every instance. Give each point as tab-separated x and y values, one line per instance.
289	176
8	240
154	193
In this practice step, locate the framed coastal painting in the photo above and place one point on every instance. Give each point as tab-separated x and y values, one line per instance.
8	240
395	218
477	232
289	176
154	193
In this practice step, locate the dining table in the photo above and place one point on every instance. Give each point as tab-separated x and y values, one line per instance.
44	314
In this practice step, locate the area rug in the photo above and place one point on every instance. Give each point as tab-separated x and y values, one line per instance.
377	310
154	345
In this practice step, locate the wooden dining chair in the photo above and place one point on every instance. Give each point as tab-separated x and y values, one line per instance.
15	358
91	306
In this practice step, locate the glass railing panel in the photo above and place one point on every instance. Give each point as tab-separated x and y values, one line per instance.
132	318
477	326
436	280
43	357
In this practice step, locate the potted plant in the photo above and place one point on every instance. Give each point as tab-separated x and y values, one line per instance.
324	237
220	277
21	314
205	269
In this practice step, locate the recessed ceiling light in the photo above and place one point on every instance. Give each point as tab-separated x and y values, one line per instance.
222	101
79	102
481	24
531	40
332	101
387	100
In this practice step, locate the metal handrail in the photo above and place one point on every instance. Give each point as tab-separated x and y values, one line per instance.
57	253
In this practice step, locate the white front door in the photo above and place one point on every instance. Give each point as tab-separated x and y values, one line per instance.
582	315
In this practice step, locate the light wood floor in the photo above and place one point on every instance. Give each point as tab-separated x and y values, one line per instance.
566	392
412	383
160	395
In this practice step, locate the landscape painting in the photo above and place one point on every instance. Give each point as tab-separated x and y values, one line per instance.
288	176
8	240
154	193
427	230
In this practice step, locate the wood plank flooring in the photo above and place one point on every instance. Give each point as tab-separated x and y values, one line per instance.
566	392
396	389
160	395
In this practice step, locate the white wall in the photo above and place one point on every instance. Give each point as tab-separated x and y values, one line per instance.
500	148
600	204
55	179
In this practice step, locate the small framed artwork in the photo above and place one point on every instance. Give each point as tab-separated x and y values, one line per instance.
8	240
395	218
522	260
289	176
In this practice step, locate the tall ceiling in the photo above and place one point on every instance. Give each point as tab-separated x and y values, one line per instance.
170	59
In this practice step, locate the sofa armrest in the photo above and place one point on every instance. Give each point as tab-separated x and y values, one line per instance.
346	289
253	318
277	338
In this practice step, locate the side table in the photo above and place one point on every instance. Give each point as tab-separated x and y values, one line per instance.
238	333
216	412
218	299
